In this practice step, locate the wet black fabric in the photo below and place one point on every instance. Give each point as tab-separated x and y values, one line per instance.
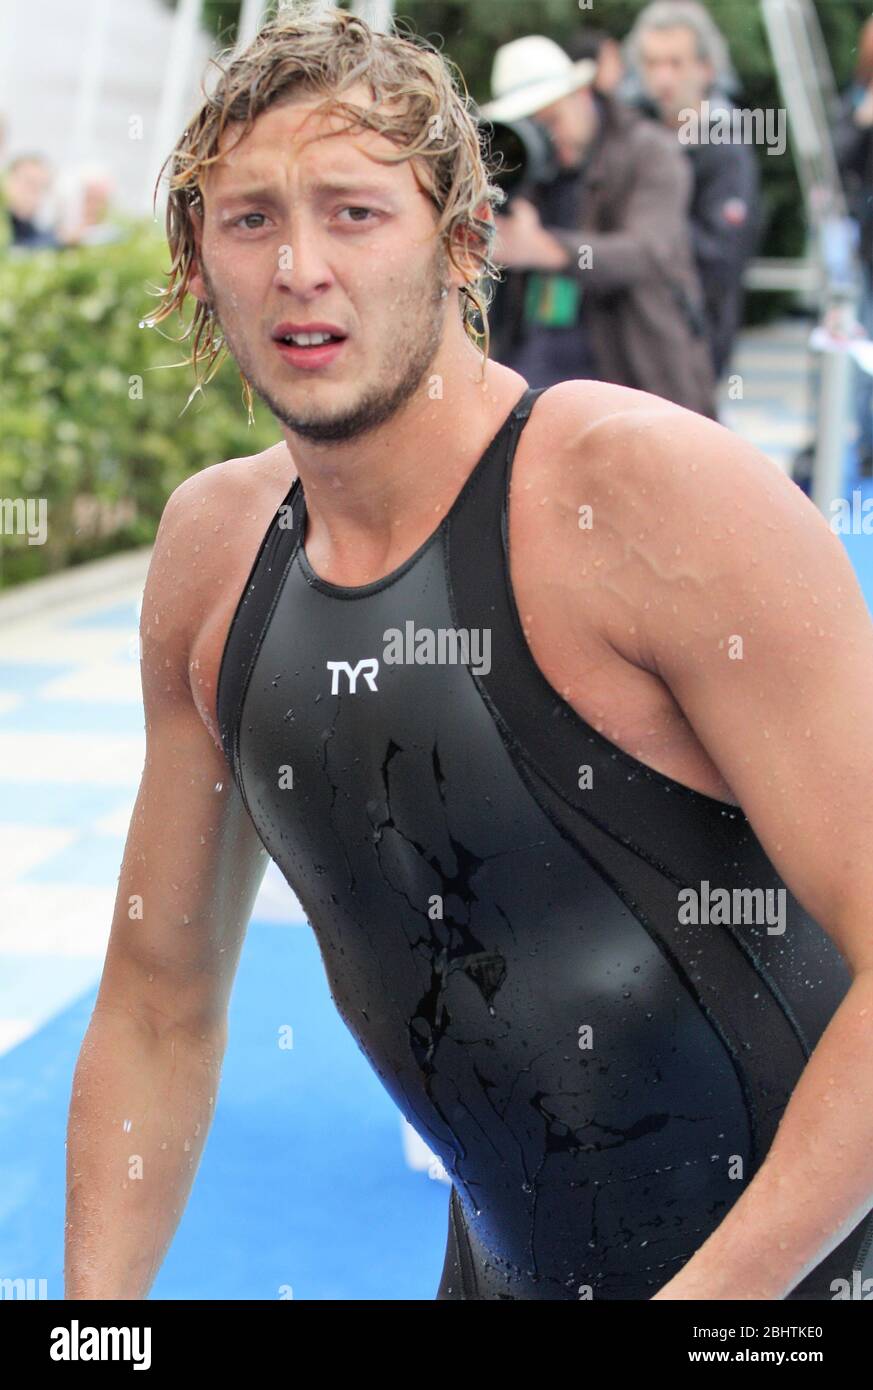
494	887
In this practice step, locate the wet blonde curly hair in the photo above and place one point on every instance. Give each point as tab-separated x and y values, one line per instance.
420	104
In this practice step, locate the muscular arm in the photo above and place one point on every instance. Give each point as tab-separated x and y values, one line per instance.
746	606
147	1076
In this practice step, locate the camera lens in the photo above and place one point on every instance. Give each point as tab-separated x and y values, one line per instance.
522	153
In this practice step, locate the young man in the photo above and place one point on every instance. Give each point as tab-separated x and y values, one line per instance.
504	785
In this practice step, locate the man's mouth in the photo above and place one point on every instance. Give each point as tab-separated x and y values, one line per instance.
310	339
313	346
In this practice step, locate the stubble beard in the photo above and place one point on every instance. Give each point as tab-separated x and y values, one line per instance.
414	350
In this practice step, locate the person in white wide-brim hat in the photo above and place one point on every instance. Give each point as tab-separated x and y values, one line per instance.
531	73
601	282
533	76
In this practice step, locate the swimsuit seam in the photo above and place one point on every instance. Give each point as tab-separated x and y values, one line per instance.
248	588
521	760
866	1241
520	756
465	1253
662	946
250	667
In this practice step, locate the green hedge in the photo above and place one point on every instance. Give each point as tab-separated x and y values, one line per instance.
71	423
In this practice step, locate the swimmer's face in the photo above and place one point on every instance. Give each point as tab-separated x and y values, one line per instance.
302	226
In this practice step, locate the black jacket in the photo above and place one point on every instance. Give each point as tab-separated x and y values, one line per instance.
854	151
726	225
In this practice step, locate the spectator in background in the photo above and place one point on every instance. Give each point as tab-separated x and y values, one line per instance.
853	139
605	51
84	197
27	184
679	60
602	281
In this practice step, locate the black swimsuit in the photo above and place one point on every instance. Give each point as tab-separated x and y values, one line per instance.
496	888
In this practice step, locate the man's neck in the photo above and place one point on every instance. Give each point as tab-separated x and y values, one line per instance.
365	495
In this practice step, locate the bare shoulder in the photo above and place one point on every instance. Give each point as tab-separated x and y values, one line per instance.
654	511
644	462
209	524
209	500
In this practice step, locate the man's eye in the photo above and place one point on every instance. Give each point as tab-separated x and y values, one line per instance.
368	211
245	220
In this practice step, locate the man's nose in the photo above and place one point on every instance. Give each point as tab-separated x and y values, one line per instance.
302	265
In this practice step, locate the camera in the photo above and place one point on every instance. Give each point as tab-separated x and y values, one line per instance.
523	153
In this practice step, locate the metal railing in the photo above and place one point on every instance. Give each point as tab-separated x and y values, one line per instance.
806	82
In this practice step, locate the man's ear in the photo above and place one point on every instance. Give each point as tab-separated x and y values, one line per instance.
485	212
467	239
196	284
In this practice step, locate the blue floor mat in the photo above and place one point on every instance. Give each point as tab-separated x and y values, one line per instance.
302	1190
